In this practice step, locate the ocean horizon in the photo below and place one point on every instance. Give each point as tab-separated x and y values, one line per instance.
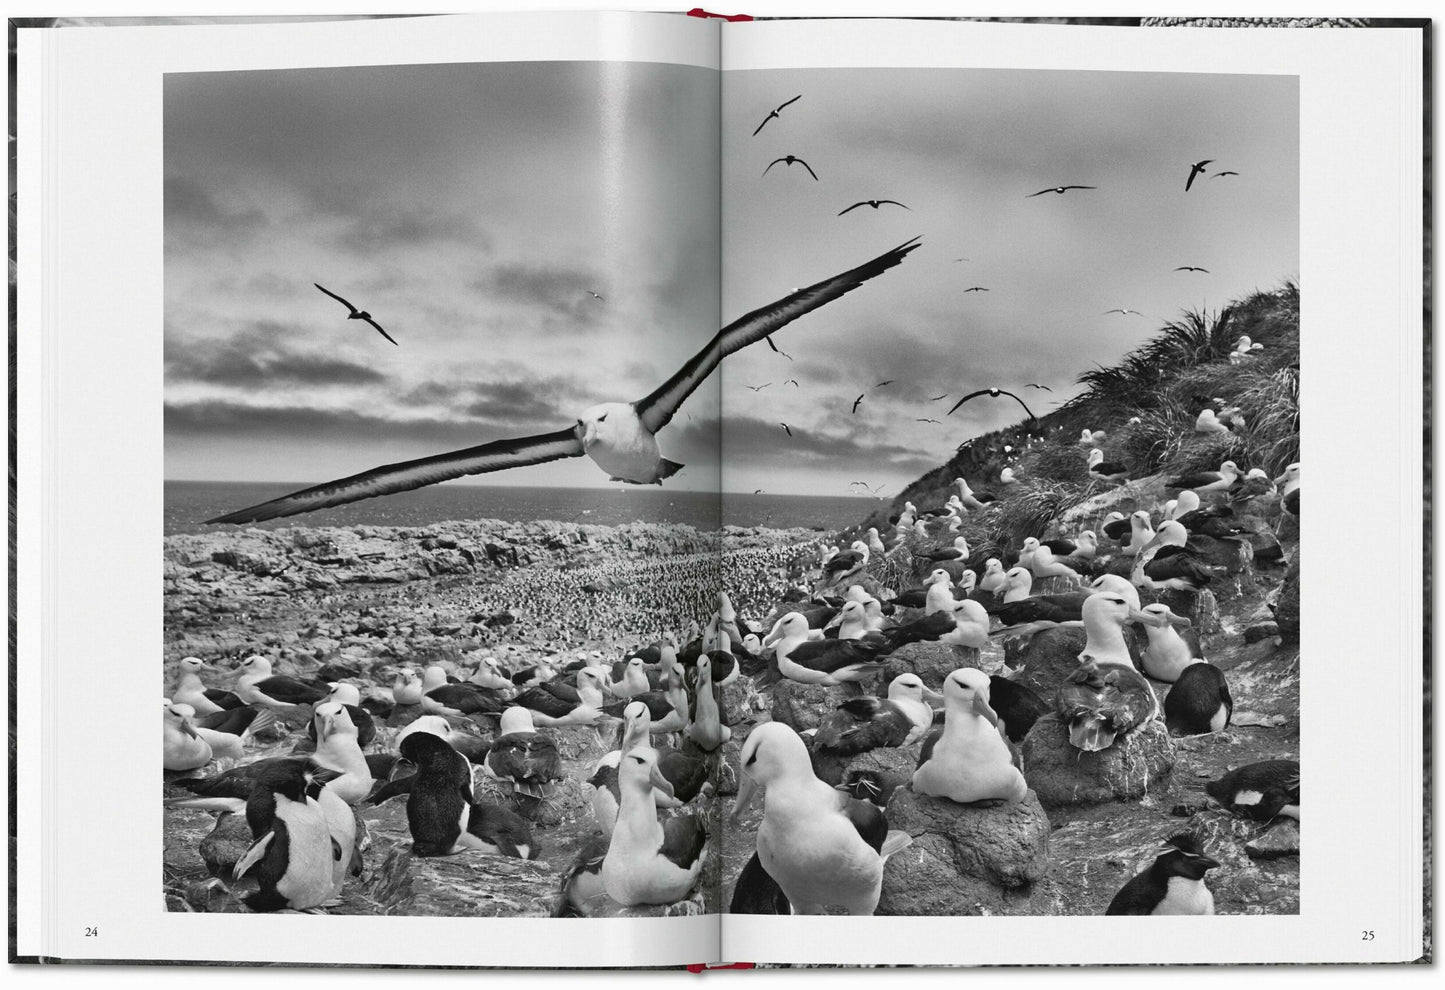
189	503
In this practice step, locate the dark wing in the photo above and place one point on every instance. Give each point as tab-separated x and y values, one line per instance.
290	690
337	298
855	403
928	745
971	395
684	837
894	202
790	102
808	167
763	124
407	475
381	331
657	409
853	207
870	822
772	163
1081	187
1039	193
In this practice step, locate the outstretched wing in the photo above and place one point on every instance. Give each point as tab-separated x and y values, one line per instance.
336	297
808	167
971	395
772	163
790	102
894	202
1020	402
853	207
406	475
380	331
657	409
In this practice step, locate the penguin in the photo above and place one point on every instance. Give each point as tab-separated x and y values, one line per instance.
258	686
1173	884
1261	791
293	850
969	760
440	811
1199	701
866	785
1169	651
183	748
820	846
756	892
647	861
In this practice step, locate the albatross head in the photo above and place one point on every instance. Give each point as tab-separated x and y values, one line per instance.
609	423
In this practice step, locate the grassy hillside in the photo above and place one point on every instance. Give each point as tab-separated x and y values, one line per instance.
1164	383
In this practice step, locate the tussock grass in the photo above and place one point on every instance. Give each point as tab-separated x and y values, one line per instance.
1031	509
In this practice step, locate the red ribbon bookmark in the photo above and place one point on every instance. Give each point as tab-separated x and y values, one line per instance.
699	967
699	12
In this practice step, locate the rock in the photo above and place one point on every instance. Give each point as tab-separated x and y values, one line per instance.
930	661
735	707
1052	655
1138	764
1286	607
804	706
895	765
403	715
1261	630
1281	840
223	848
964	860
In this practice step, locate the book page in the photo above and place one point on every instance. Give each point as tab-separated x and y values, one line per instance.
339	246
1123	233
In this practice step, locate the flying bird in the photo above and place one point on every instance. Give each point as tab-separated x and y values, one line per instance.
1194	170
777	112
856	401
1044	387
889	381
595	296
937	397
956	260
774	346
993	393
928	421
785	429
975	288
758	388
867	488
620	437
1126	312
356	314
757	491
875	203
1191	268
793	382
789	160
1218	174
1058	189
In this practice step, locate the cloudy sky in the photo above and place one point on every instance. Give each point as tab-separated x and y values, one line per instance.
471	208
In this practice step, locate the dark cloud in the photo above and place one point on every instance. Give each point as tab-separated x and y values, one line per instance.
758	443
193	212
560	292
258	361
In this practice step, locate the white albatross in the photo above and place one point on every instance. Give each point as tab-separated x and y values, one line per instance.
619	436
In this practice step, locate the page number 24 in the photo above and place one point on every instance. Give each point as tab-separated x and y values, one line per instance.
92	932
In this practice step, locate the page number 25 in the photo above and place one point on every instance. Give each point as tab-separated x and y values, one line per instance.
1367	936
92	932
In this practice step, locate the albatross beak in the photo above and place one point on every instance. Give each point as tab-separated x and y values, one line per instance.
774	634
660	782
186	728
934	698
1147	618
1180	621
981	708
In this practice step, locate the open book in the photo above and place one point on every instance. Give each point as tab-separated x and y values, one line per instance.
626	483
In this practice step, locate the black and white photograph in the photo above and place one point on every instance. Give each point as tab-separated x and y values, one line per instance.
912	531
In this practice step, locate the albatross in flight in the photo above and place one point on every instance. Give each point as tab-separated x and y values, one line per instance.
356	314
619	436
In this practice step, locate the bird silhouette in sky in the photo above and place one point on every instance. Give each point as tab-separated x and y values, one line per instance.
975	288
928	421
994	393
356	314
1217	175
793	382
1126	312
1191	268
789	160
856	401
875	203
758	388
785	429
1194	170
776	113
1058	189
1044	387
867	488
595	296
887	381
937	397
